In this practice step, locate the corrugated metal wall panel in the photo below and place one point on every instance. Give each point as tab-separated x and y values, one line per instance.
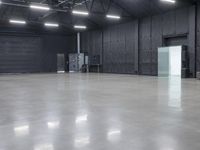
20	54
156	42
119	48
192	39
145	46
132	46
169	23
153	29
198	38
182	20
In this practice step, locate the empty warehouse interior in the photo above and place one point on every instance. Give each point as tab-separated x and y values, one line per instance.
99	74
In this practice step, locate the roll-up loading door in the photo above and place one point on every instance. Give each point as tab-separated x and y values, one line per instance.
20	54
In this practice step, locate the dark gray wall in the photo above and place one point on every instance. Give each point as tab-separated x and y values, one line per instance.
20	54
24	52
198	38
53	44
117	46
124	48
132	47
91	43
172	28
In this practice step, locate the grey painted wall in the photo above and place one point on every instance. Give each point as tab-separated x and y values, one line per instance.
173	26
198	38
20	54
132	47
125	48
120	47
117	46
53	44
32	52
91	42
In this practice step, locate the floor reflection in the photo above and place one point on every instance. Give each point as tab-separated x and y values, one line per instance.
166	142
81	141
113	134
53	124
21	130
174	91
82	132
170	91
137	113
81	118
44	147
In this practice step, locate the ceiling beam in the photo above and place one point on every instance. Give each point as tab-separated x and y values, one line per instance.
43	1
27	6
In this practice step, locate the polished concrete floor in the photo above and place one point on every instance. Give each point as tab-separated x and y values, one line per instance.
98	112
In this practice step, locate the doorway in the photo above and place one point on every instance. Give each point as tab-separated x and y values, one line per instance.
61	63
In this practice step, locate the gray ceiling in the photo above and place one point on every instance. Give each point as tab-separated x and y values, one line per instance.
61	11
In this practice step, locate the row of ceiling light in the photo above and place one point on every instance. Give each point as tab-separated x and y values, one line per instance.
47	24
75	12
56	25
169	1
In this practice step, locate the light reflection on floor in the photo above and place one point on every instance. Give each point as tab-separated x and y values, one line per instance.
94	112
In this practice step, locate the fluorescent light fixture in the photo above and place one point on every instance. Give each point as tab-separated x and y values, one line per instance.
14	21
39	7
113	16
51	24
170	1
80	27
83	13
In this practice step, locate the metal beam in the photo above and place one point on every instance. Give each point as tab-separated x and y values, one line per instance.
43	1
47	15
63	2
102	5
85	1
26	6
91	5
